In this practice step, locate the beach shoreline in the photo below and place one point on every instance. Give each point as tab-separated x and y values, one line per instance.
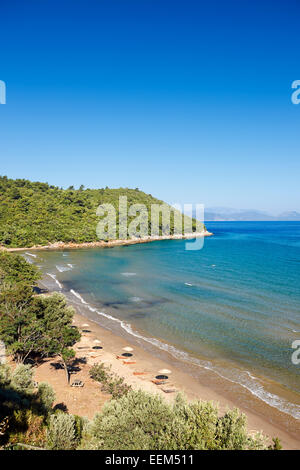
207	386
109	244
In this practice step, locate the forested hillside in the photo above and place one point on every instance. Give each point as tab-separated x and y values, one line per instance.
34	213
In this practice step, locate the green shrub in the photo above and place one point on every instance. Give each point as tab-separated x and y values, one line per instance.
116	387
276	444
133	422
21	380
46	396
61	432
27	427
200	418
231	432
139	420
15	269
5	375
80	423
110	382
99	372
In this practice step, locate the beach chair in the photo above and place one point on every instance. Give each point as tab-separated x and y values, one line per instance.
159	382
77	383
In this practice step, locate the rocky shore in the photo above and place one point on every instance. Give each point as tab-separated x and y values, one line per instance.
111	243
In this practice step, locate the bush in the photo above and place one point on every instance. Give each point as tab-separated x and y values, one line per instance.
139	420
21	380
27	427
133	422
15	269
116	387
276	444
200	420
231	433
46	396
61	432
99	373
80	423
110	382
5	375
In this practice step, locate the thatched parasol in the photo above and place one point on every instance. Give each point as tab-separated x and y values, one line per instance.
165	371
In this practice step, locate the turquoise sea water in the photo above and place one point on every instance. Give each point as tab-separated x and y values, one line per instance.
233	307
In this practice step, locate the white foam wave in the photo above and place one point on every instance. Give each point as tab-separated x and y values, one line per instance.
30	254
135	299
293	330
188	284
271	399
128	274
61	269
54	277
78	296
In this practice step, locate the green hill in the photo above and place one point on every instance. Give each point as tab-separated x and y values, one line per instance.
33	213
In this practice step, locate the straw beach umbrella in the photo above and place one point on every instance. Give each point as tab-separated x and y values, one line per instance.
85	324
97	341
165	371
127	348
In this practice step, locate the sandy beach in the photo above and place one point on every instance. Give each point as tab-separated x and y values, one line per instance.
139	374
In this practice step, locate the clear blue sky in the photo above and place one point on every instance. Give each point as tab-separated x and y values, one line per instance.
187	100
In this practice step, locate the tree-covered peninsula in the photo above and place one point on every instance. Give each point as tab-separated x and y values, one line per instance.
34	213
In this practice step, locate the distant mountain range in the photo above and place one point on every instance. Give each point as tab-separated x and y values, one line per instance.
227	214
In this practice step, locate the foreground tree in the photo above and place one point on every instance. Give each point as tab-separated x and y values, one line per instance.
15	269
20	329
37	326
59	333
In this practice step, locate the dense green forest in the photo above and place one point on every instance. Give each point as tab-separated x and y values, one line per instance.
33	213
